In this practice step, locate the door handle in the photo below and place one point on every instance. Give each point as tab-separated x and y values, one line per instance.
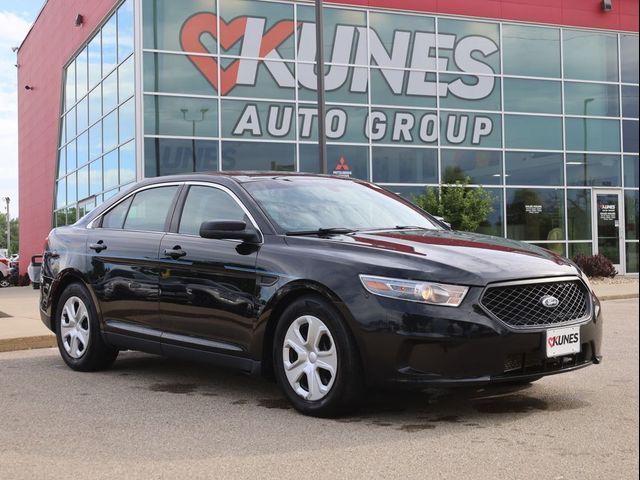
98	247
175	252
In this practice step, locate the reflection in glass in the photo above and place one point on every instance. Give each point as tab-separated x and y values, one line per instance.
95	177
532	96
485	38
62	162
592	134
591	99
82	115
125	30
95	105
531	51
462	87
348	160
110	170
109	46
482	167
110	131
94	50
630	135
72	194
631	171
629	54
530	132
580	248
70	86
534	168
61	193
629	101
632	257
258	156
127	121
128	163
126	79
579	214
405	165
81	73
83	183
590	55
95	140
175	74
535	214
593	170
83	148
632	213
607	225
180	116
110	92
165	156
494	224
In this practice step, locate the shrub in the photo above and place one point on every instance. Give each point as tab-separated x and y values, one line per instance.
595	265
463	207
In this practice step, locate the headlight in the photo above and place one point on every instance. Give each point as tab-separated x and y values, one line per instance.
425	292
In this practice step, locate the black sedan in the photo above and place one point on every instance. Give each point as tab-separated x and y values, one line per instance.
330	285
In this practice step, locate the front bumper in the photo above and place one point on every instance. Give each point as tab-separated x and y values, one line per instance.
405	343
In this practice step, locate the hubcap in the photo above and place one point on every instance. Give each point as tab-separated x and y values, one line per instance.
310	358
74	327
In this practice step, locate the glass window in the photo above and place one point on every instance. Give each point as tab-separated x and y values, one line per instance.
470	130
95	140
590	55
95	177
529	132
629	101
83	183
630	171
632	257
577	248
592	135
482	167
72	215
83	148
71	156
110	131
95	105
110	170
591	99
82	115
532	96
629	58
71	123
403	126
405	165
207	204
176	74
632	213
115	217
125	30
94	55
535	214
593	170
258	156
109	46
127	118
531	51
348	160
630	135
163	21
339	84
534	168
62	162
471	92
166	156
70	86
388	88
110	92
126	80
494	224
72	192
556	247
579	214
180	116
61	193
482	39
127	163
149	209
385	33
81	73
264	84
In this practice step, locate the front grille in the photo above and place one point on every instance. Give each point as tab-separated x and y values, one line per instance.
521	305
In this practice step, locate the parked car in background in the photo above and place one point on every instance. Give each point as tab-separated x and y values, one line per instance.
3	259
14	261
330	285
5	275
34	271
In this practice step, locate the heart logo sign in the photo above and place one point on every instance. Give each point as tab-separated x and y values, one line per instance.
230	34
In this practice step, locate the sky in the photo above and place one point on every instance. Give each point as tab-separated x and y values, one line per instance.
16	16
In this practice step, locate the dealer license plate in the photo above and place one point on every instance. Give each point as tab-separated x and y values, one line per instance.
563	341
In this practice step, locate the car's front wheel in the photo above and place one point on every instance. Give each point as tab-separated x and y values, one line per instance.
316	359
78	332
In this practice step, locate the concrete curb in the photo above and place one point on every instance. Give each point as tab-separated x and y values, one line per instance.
27	343
623	296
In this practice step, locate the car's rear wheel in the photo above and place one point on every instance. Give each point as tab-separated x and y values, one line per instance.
78	332
316	359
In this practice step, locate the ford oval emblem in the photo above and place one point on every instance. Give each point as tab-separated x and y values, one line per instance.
549	301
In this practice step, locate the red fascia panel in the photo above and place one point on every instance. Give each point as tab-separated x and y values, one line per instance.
576	13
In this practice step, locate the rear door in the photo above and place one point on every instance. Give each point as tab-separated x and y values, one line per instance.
124	271
208	287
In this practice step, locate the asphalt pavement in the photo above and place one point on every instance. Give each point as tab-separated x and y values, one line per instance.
150	417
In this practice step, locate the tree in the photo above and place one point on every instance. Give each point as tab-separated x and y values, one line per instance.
15	233
464	207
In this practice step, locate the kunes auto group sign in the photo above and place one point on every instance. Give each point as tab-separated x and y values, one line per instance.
403	67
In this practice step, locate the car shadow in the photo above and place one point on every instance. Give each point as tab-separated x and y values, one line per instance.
405	410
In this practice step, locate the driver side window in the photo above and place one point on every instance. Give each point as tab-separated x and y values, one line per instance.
205	204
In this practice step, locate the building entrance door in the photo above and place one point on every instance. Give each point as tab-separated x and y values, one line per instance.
606	225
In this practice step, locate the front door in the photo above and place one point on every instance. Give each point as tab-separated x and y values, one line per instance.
606	223
207	286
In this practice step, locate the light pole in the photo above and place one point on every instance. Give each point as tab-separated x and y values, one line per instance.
322	140
7	201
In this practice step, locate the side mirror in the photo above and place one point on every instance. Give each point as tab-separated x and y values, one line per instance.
228	230
443	222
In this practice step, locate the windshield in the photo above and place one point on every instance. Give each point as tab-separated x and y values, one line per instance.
298	204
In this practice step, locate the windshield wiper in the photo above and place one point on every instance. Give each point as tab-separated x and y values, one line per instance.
321	231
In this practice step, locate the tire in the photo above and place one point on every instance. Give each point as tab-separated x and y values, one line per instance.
78	332
323	393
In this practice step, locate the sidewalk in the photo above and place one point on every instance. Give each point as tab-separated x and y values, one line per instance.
21	328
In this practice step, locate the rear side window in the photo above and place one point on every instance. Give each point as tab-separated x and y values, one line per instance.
115	217
149	209
205	204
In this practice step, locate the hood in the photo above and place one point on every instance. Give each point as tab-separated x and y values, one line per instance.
458	257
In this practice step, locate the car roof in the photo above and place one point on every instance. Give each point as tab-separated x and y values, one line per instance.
241	176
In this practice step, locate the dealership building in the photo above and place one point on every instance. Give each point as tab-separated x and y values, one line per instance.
534	100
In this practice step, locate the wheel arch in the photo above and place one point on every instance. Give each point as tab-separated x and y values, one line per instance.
286	295
63	280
